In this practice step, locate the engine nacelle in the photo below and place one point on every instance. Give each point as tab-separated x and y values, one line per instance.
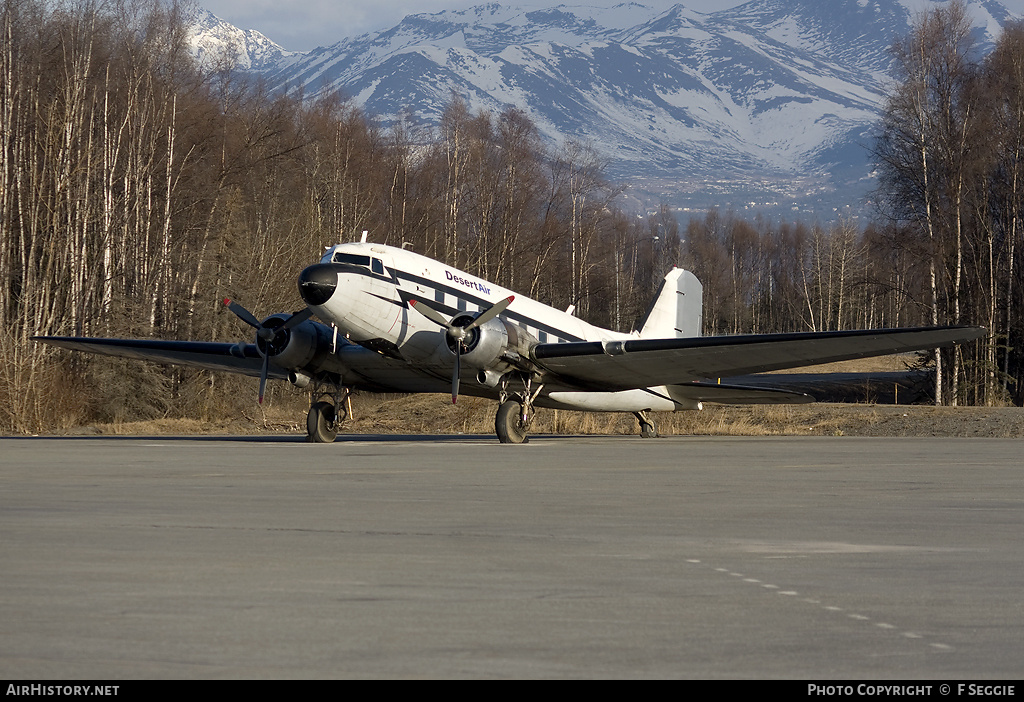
494	347
292	349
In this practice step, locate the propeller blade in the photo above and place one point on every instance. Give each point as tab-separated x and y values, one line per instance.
491	312
264	370
455	375
297	318
430	313
243	314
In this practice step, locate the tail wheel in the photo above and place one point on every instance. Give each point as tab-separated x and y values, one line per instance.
508	423
648	429
321	423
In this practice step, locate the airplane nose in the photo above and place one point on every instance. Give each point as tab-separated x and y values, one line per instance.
317	283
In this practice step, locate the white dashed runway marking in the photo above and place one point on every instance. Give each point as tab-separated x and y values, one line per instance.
856	616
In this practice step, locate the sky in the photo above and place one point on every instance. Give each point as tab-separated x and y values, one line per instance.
301	25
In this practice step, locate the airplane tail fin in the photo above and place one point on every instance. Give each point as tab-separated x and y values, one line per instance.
677	311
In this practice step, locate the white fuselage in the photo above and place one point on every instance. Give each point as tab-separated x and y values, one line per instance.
370	307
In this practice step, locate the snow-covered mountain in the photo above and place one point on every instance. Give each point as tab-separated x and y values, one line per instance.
770	100
217	43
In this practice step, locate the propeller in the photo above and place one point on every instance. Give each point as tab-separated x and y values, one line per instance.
267	333
458	333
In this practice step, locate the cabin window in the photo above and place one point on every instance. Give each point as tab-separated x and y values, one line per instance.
353	259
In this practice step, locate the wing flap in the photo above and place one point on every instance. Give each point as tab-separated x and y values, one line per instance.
640	363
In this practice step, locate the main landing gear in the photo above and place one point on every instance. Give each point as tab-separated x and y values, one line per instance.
512	422
516	412
325	417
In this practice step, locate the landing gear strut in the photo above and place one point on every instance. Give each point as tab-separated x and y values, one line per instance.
325	417
512	422
648	429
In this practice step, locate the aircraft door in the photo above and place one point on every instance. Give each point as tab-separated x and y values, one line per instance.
384	288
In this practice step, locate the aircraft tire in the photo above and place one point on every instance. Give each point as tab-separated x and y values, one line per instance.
320	423
648	430
507	424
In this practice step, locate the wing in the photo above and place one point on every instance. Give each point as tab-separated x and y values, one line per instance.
643	363
235	358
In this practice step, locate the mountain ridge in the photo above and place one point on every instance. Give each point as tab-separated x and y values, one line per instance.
776	97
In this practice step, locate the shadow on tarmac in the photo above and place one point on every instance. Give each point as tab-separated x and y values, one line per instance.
283	438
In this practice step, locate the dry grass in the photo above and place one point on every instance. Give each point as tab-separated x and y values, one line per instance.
434	414
285	413
877	364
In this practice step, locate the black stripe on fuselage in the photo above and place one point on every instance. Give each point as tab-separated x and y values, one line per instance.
457	293
399	303
481	303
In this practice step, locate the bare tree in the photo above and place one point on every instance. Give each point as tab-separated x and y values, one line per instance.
924	151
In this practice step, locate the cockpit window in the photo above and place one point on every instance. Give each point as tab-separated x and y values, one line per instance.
377	267
354	259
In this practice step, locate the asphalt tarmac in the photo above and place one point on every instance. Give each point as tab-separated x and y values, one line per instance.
456	557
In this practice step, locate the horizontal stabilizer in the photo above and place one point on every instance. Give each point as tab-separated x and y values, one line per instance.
736	394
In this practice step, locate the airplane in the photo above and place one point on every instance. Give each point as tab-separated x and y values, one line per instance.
395	321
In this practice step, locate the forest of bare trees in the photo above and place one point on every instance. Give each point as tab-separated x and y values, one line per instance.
138	189
949	158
